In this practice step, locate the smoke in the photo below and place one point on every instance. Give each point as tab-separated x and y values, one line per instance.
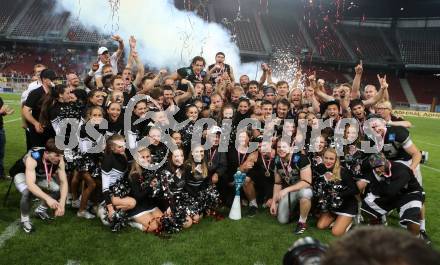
166	36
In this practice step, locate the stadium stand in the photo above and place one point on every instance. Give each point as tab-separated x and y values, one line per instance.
419	45
424	87
8	13
78	33
367	44
245	28
283	34
40	20
327	43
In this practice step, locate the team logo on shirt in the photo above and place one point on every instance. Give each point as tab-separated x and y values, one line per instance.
392	137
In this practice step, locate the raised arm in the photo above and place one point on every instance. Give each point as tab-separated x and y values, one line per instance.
318	91
355	91
140	69
380	95
121	45
188	94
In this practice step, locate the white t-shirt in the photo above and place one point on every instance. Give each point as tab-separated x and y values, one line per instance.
113	62
32	86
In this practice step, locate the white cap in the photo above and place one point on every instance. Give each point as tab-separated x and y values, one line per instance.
215	129
101	50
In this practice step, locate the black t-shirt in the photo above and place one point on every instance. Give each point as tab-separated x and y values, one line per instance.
290	171
402	181
34	102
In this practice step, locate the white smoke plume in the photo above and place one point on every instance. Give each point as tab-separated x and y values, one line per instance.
166	36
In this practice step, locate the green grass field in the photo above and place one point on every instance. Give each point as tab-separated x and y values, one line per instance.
258	240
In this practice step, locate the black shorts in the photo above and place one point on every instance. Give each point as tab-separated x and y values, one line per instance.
409	206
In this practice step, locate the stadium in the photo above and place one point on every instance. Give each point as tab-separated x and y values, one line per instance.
314	47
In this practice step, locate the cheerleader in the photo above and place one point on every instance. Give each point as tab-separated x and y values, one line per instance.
145	186
176	138
138	130
316	154
336	191
89	162
192	114
115	119
353	155
114	185
202	193
177	215
63	104
157	148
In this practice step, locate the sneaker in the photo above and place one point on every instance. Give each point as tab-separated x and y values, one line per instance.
300	228
252	211
69	199
43	215
85	214
27	227
76	203
424	236
102	214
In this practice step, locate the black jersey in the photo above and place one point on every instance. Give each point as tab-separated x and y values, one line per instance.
290	171
188	74
40	170
115	127
114	167
396	139
400	182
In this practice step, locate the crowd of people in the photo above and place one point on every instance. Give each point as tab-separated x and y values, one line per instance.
193	130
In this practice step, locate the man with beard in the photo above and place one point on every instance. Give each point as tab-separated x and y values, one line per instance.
194	73
216	70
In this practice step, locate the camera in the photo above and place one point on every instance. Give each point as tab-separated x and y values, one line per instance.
305	251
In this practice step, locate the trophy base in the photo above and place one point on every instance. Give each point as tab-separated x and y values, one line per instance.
235	213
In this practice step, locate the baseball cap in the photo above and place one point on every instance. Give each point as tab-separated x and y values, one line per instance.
215	129
101	50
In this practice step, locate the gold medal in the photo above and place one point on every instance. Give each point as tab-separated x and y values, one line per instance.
267	174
